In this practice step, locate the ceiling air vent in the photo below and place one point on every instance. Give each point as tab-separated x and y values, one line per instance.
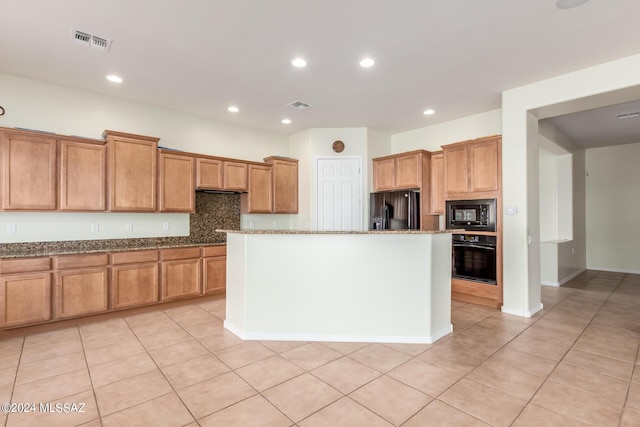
87	39
629	115
298	105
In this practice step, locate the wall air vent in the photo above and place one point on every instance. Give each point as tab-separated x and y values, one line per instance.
87	39
628	115
298	105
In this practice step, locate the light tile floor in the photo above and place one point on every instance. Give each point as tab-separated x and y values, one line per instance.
573	364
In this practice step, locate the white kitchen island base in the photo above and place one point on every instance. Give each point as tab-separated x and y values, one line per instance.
392	287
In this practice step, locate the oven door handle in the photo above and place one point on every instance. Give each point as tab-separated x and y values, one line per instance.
464	245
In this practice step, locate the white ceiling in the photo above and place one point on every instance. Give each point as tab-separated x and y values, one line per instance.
200	56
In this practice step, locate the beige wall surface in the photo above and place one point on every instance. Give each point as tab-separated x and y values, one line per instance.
613	208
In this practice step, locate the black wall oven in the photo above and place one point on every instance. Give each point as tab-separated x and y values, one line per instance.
474	258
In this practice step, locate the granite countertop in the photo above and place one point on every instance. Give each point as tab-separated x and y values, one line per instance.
38	249
336	232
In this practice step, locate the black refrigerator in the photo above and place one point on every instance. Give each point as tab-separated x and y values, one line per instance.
395	210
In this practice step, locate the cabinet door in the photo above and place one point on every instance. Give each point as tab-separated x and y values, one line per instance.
383	174
28	172
437	183
134	285
82	291
259	198
176	183
180	279
484	162
285	187
235	176
132	174
455	169
408	171
214	275
25	299
209	174
82	176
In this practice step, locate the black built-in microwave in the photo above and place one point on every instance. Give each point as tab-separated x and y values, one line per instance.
471	215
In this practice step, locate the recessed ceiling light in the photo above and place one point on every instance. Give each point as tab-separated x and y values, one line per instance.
233	109
428	112
367	62
299	62
568	4
286	121
113	78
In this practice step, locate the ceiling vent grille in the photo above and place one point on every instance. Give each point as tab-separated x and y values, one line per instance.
629	115
298	105
90	40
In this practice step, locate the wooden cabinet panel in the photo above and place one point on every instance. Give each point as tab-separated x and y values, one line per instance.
82	176
80	292
285	185
180	279
25	299
176	183
408	171
214	275
259	198
383	174
437	183
456	167
209	174
132	172
130	257
24	265
80	261
484	158
211	251
28	171
179	253
134	285
235	176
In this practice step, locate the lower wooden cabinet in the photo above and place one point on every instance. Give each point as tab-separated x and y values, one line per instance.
42	289
81	285
25	299
180	279
214	270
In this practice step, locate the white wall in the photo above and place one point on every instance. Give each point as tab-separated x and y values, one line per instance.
605	82
613	208
43	106
431	138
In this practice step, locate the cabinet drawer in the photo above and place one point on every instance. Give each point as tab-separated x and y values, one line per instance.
80	261
24	265
180	253
132	257
209	251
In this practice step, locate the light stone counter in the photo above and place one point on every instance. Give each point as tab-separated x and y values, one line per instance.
379	286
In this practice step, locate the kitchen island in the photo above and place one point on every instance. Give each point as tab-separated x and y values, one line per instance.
376	286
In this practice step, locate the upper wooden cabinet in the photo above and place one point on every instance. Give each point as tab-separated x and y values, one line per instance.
236	176
402	171
437	183
285	184
259	198
221	174
472	167
82	176
176	185
28	170
132	172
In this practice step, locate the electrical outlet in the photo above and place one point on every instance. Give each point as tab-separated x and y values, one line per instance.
11	229
128	227
251	224
165	225
95	228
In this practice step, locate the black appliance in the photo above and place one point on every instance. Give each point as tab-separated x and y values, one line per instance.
471	215
474	258
395	210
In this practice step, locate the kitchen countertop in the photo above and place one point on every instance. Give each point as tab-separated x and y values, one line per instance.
336	232
39	249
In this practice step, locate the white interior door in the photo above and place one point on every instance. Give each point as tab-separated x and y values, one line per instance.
339	194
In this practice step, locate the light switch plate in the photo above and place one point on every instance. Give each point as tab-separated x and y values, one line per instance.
511	210
11	229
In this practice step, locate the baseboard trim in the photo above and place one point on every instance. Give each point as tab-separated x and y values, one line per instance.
563	281
614	270
522	313
394	339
